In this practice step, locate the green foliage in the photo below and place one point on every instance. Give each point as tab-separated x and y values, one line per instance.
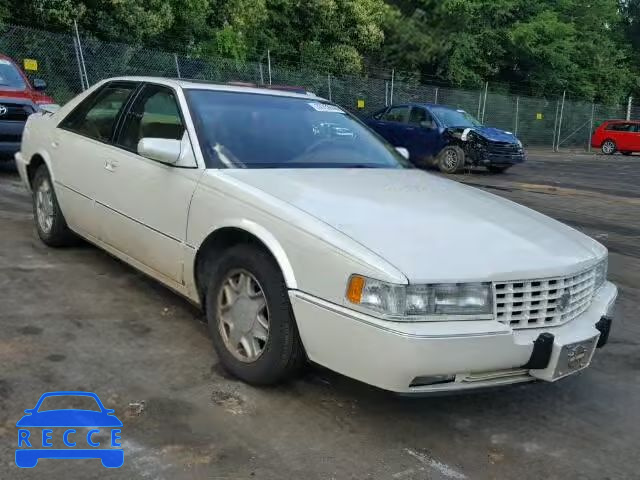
591	48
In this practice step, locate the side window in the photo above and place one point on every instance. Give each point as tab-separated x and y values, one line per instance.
397	114
96	116
621	127
420	117
155	114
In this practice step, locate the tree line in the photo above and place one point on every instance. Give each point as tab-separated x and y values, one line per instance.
590	48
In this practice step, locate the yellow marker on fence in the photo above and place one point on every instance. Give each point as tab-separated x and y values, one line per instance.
360	103
538	116
30	64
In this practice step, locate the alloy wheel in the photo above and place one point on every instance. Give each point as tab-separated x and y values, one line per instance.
450	159
243	316
608	147
44	206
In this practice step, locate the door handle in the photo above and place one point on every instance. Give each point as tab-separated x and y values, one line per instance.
55	144
110	165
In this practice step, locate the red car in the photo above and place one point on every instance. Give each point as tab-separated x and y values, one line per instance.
617	136
19	98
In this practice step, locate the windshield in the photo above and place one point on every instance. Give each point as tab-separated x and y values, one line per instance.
66	402
10	76
454	118
247	130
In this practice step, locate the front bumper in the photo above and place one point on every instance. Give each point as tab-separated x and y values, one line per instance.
469	354
21	166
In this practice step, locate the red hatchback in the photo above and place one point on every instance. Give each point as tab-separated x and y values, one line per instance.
617	136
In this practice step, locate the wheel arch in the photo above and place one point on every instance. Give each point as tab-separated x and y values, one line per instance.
235	233
35	161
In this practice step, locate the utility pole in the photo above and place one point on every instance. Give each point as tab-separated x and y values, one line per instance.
484	105
629	103
393	72
593	111
435	100
329	85
175	57
84	79
515	130
269	64
564	94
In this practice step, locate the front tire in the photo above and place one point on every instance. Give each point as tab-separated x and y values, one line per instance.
608	147
50	223
250	318
451	159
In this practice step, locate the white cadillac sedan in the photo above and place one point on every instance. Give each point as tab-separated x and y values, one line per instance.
303	235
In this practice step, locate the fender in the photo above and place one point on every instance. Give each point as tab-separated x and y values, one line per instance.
265	237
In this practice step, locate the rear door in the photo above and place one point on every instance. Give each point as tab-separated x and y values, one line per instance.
80	150
395	125
623	134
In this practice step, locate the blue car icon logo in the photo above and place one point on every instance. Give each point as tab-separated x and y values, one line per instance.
66	427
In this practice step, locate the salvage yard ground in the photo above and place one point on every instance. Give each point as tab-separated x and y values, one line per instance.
77	319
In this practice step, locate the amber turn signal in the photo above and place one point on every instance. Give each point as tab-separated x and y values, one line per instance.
354	292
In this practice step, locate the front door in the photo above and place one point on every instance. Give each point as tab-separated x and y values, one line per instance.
423	135
146	202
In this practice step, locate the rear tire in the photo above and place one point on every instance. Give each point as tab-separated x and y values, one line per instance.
496	169
242	278
50	223
451	159
608	147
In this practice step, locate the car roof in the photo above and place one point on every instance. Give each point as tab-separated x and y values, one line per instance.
621	121
196	84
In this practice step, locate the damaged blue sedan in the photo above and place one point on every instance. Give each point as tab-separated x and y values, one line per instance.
446	138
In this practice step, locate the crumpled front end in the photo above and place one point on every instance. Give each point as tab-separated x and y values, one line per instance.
482	150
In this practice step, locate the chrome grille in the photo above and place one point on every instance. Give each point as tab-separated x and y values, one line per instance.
541	303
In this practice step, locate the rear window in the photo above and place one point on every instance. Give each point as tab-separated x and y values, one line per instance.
10	76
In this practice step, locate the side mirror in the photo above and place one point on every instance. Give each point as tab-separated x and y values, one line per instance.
39	84
160	149
403	151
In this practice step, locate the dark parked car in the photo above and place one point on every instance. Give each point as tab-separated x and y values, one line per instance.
19	98
446	138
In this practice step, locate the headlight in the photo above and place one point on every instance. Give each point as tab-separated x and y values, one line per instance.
601	273
520	143
446	301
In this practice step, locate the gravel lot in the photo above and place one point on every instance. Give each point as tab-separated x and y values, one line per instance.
77	319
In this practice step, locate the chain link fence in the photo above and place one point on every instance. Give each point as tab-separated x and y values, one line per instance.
70	62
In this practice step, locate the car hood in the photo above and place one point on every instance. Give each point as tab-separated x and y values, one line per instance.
431	229
7	93
492	134
69	418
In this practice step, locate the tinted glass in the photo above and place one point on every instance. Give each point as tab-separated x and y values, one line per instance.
454	118
420	117
154	114
243	130
622	127
10	76
397	114
96	116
